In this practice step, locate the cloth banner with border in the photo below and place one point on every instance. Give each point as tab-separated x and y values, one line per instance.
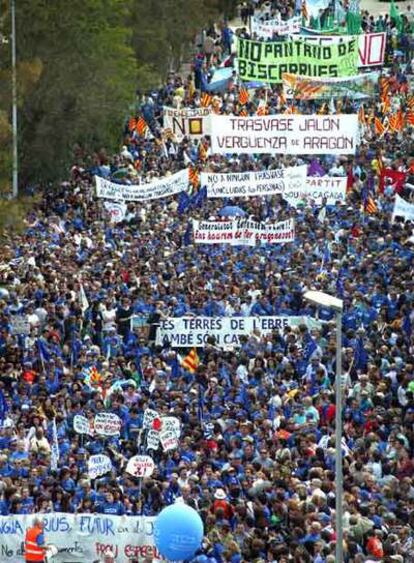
187	122
82	538
182	332
359	87
265	29
255	183
285	134
267	61
240	232
165	187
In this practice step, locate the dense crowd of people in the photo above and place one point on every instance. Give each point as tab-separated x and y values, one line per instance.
256	456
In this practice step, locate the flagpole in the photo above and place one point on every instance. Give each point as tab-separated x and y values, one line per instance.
15	188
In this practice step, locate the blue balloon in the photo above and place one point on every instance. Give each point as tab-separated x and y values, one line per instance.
178	532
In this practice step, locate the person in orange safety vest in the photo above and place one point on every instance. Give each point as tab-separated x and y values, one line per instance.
34	543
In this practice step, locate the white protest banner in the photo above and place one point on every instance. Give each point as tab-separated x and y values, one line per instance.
169	440
149	417
266	29
141	466
153	440
193	331
403	209
117	210
187	122
20	325
371	46
81	425
284	134
82	538
171	423
249	184
315	189
165	187
98	465
238	232
107	424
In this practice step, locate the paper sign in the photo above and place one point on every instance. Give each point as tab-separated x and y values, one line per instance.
171	423
153	440
141	466
107	424
20	325
81	425
149	417
168	440
98	465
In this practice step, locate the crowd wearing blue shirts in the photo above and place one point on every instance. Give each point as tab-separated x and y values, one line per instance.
256	456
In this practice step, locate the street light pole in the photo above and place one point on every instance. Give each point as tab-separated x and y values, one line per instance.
324	300
338	444
14	100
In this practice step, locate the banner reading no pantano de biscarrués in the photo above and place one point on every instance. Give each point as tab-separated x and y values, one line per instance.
267	61
281	134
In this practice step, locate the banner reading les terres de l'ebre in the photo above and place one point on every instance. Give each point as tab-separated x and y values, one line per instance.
281	134
194	331
268	60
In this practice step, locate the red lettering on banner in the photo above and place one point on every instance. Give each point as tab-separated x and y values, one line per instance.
143	551
102	548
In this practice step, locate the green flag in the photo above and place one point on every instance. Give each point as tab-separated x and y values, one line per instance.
395	16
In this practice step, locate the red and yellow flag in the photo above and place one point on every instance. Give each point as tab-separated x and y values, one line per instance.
191	361
194	177
379	127
361	115
206	100
243	96
141	126
370	206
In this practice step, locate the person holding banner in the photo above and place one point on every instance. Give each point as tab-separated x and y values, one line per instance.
34	543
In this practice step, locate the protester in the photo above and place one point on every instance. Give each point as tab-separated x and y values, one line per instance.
256	455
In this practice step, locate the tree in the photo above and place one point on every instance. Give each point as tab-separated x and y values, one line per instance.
162	29
86	84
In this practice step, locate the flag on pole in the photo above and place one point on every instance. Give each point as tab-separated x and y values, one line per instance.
3	407
361	115
370	206
379	127
396	17
54	458
243	96
141	126
191	361
205	100
84	303
132	124
194	177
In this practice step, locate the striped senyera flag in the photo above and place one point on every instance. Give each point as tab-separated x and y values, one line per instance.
205	100
370	206
243	96
191	361
194	176
141	126
379	127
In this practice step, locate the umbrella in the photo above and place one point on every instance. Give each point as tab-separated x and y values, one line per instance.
231	211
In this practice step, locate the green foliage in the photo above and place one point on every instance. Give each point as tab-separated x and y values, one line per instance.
86	81
163	29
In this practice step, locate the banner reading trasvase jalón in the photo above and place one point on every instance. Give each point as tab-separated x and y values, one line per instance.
82	538
267	61
284	134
